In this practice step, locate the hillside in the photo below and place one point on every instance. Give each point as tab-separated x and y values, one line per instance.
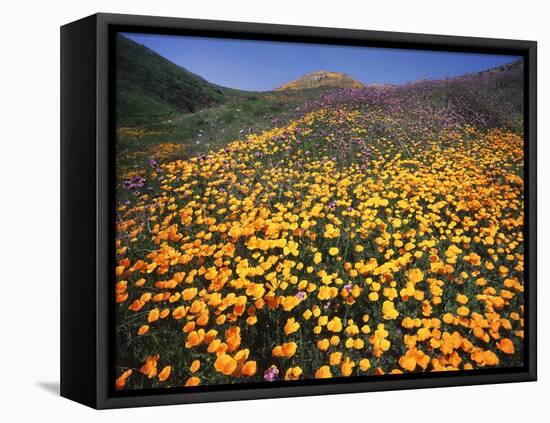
513	66
491	98
321	79
152	87
379	231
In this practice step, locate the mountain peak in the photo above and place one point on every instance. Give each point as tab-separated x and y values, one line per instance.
321	78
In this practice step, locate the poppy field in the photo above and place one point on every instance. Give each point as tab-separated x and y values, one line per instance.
379	231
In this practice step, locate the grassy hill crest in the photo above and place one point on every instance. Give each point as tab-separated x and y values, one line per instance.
321	79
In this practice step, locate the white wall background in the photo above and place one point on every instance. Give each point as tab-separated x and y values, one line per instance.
29	209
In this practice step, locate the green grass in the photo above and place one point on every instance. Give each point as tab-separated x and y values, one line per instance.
209	128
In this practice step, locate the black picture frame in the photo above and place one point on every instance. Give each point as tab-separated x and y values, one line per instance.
87	195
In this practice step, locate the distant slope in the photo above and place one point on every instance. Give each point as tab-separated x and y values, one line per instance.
321	79
496	94
152	87
490	98
516	66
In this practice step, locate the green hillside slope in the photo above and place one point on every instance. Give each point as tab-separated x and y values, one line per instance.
150	87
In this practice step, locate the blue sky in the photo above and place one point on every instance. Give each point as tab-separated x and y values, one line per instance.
264	65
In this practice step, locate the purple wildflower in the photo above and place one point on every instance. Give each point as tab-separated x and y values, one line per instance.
301	295
271	374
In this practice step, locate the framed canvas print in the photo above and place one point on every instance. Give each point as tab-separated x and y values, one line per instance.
254	211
